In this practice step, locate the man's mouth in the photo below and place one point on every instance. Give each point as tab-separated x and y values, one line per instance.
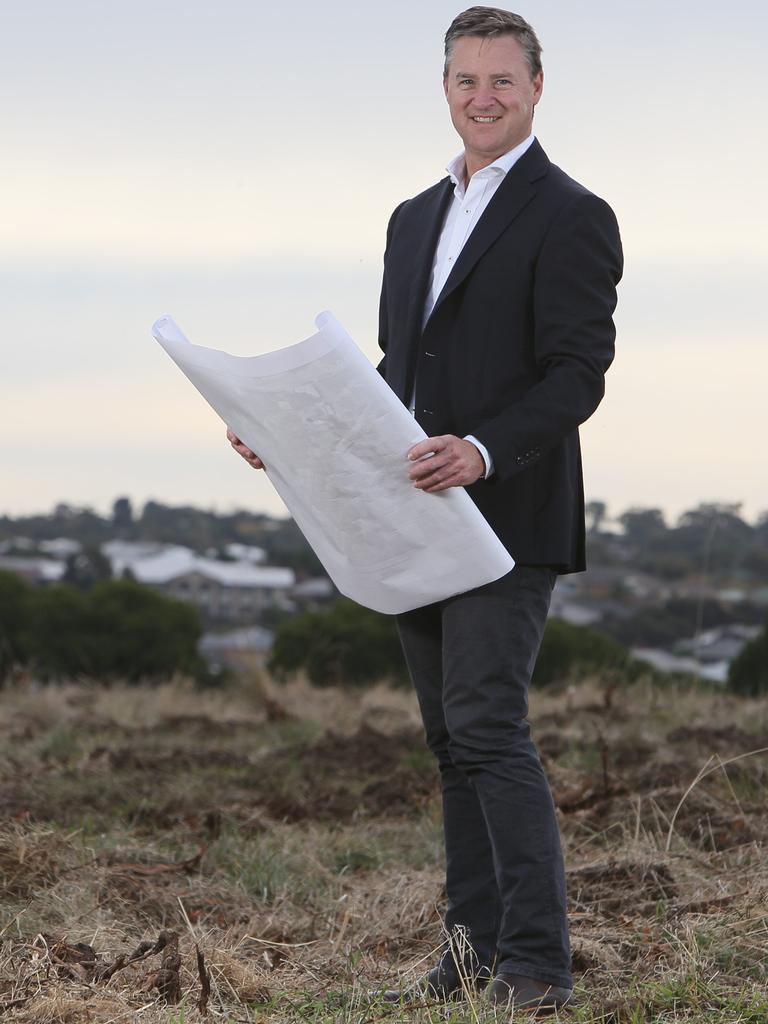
484	120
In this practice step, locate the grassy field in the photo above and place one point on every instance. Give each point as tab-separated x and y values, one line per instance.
293	837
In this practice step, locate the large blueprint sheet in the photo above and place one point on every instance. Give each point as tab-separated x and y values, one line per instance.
334	439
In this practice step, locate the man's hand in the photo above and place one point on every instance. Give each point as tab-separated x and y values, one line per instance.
250	457
455	463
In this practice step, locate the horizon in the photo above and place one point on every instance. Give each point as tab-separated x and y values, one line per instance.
105	512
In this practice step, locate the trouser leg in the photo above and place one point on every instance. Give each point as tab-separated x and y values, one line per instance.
491	637
471	888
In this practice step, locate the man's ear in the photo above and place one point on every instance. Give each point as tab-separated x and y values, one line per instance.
538	86
445	85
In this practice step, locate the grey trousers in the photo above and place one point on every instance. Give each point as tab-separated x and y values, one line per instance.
471	658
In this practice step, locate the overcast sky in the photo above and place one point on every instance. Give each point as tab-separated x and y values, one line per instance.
235	164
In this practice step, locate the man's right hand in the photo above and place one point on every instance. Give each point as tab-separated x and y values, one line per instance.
250	457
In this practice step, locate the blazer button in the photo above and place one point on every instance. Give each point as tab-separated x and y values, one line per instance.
428	412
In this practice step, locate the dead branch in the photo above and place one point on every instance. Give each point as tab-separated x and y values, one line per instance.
159	869
142	951
166	979
205	983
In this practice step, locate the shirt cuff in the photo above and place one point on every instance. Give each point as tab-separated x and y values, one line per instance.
485	454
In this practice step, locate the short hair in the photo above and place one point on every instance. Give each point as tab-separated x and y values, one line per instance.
489	23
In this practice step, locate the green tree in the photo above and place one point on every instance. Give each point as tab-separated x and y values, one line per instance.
134	632
14	622
748	672
58	637
347	645
568	650
118	629
86	568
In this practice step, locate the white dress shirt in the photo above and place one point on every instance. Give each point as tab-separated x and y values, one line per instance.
468	205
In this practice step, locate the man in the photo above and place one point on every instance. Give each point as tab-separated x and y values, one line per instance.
499	287
495	321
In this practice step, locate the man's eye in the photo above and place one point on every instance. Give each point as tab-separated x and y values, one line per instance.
465	81
503	81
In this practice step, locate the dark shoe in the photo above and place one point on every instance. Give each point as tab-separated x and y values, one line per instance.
441	984
514	991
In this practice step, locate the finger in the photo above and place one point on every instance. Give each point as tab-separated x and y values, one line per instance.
429	446
427	467
437	480
232	436
442	485
244	450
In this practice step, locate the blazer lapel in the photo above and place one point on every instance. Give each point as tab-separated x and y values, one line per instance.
424	248
512	196
424	245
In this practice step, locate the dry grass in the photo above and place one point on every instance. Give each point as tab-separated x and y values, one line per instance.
293	835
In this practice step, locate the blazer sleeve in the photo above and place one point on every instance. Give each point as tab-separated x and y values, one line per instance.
574	295
383	307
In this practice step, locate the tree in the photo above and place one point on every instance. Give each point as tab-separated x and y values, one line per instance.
122	517
715	536
134	633
347	645
117	629
761	530
86	568
58	634
567	651
596	512
14	622
643	525
748	672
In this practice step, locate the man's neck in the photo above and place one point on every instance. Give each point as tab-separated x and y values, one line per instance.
472	164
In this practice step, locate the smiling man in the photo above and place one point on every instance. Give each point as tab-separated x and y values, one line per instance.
496	326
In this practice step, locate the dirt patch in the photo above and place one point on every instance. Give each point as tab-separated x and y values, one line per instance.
202	727
339	778
31	859
178	759
365	752
610	887
713	739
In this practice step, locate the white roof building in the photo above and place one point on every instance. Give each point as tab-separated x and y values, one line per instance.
245	552
61	547
227	591
35	570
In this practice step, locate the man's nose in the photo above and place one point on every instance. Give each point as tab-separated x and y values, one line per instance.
483	98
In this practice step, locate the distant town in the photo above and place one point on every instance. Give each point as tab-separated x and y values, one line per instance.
683	597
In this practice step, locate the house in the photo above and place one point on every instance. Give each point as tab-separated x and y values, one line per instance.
33	569
723	643
236	592
237	648
61	548
665	661
245	553
314	593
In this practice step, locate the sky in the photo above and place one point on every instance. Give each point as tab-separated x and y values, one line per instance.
235	165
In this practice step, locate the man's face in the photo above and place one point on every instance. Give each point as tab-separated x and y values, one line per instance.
491	96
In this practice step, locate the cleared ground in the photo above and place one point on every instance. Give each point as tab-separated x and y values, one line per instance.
293	836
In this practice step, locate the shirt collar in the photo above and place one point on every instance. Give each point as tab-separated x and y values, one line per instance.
501	166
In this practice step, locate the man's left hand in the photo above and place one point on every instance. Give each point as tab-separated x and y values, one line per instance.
455	463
